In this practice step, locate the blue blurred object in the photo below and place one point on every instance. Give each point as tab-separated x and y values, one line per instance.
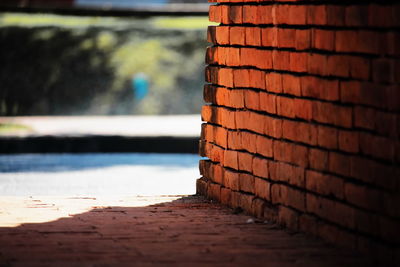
140	85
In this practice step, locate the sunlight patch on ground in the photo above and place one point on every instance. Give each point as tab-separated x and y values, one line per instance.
15	211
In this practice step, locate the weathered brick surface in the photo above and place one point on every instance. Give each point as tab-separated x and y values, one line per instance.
303	113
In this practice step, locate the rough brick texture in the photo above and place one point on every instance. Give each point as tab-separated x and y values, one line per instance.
302	122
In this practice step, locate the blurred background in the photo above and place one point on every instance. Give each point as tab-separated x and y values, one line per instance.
97	89
149	60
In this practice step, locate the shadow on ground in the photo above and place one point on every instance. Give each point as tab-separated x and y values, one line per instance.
187	232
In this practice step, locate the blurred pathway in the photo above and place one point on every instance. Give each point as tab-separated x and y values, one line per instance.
152	231
168	125
158	134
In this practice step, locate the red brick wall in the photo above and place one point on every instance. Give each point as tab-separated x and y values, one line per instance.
302	124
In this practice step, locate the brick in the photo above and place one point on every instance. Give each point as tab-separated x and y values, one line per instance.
206	113
323	39
220	136
382	70
256	123
248	141
246	183
231	159
225	77
225	196
331	210
317	64
364	117
317	15
355	16
376	146
216	154
264	146
232	180
263	59
260	167
337	65
296	199
335	15
257	79
237	35
350	91
286	38
319	88
225	18
262	188
222	35
245	161
215	13
201	187
297	15
300	132
363	197
288	173
218	174
302	108
291	153
303	39
291	84
246	201
327	137
360	68
207	133
346	41
298	62
285	106
273	127
214	191
242	119
257	207
279	194
339	163
318	159
280	60
273	82
249	14
269	37
221	96
335	235
227	118
348	141
235	199
323	184
380	16
209	93
251	100
264	15
233	57
267	102
234	140
288	218
332	114
241	78
253	36
211	34
236	14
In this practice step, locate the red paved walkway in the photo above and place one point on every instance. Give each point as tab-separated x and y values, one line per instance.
132	232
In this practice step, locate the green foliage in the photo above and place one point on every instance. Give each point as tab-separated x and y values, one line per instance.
63	65
6	128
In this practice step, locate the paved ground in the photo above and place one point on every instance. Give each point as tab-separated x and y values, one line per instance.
154	231
98	174
168	125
